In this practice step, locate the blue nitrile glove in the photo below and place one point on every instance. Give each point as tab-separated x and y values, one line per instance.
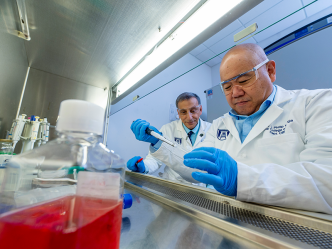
221	168
139	126
139	167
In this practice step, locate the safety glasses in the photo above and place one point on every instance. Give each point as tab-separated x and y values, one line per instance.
193	110
242	80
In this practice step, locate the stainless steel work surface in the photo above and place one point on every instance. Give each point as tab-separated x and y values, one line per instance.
151	224
264	225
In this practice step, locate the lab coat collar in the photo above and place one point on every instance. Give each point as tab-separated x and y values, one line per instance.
229	123
271	114
179	125
282	95
183	133
201	132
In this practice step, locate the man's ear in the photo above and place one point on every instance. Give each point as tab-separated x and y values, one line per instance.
271	70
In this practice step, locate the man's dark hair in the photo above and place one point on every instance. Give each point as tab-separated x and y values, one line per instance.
186	96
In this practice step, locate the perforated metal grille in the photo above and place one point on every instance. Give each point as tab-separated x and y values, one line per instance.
294	231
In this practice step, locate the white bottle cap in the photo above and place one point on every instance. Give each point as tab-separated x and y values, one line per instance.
81	116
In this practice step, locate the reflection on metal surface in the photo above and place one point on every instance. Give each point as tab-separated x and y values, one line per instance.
225	225
22	93
154	225
263	219
25	34
44	93
13	65
96	42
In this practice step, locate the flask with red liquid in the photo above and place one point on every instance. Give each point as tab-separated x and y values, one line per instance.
40	204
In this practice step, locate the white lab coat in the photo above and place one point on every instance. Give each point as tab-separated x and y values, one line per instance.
174	131
286	159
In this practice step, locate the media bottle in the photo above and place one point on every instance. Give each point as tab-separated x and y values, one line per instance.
67	193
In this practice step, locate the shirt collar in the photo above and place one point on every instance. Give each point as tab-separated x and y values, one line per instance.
195	130
262	108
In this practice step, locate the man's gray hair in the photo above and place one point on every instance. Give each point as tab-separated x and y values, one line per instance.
186	96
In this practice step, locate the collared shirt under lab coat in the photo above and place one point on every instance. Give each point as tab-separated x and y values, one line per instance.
174	131
286	159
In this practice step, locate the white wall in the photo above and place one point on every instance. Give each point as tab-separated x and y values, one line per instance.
155	107
215	75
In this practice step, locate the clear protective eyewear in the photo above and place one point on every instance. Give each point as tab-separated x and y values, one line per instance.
193	110
242	80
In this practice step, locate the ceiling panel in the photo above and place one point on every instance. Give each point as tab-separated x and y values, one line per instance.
259	9
207	54
265	14
199	49
276	13
97	42
317	6
227	42
223	33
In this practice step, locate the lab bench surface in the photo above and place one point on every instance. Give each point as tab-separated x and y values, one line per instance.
168	214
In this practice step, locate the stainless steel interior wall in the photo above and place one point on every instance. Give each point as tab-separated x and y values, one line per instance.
45	91
13	65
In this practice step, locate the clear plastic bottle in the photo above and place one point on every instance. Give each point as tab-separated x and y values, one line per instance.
6	153
87	218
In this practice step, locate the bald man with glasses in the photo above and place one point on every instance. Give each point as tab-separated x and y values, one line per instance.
273	147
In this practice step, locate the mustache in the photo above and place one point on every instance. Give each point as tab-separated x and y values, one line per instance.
240	100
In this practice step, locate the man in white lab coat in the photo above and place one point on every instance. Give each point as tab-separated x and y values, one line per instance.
274	146
188	132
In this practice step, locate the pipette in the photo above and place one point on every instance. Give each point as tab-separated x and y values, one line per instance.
160	137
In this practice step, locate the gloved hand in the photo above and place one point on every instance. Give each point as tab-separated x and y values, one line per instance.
221	168
139	167
139	126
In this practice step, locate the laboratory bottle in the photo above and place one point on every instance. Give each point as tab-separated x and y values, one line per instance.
40	198
6	153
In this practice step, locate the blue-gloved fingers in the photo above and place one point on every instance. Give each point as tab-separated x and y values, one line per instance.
142	128
202	164
134	124
207	149
131	164
200	154
141	167
134	127
155	130
208	179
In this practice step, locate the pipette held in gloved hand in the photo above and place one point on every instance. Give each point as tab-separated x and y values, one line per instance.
159	137
139	127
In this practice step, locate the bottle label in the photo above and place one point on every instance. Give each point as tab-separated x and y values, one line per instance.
98	185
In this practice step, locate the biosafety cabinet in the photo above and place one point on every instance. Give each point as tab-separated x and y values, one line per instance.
118	54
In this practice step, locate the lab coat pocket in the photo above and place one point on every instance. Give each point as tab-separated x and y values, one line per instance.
282	149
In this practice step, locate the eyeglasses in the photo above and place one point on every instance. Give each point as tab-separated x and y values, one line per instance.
193	110
242	80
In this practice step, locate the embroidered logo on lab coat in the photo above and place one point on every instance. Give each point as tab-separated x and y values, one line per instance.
222	134
178	140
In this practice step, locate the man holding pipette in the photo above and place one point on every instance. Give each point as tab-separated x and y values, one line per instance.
273	147
185	134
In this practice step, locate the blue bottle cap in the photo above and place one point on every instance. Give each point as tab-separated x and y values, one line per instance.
127	201
33	118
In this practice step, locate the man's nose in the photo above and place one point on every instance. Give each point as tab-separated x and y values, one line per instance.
237	91
189	115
